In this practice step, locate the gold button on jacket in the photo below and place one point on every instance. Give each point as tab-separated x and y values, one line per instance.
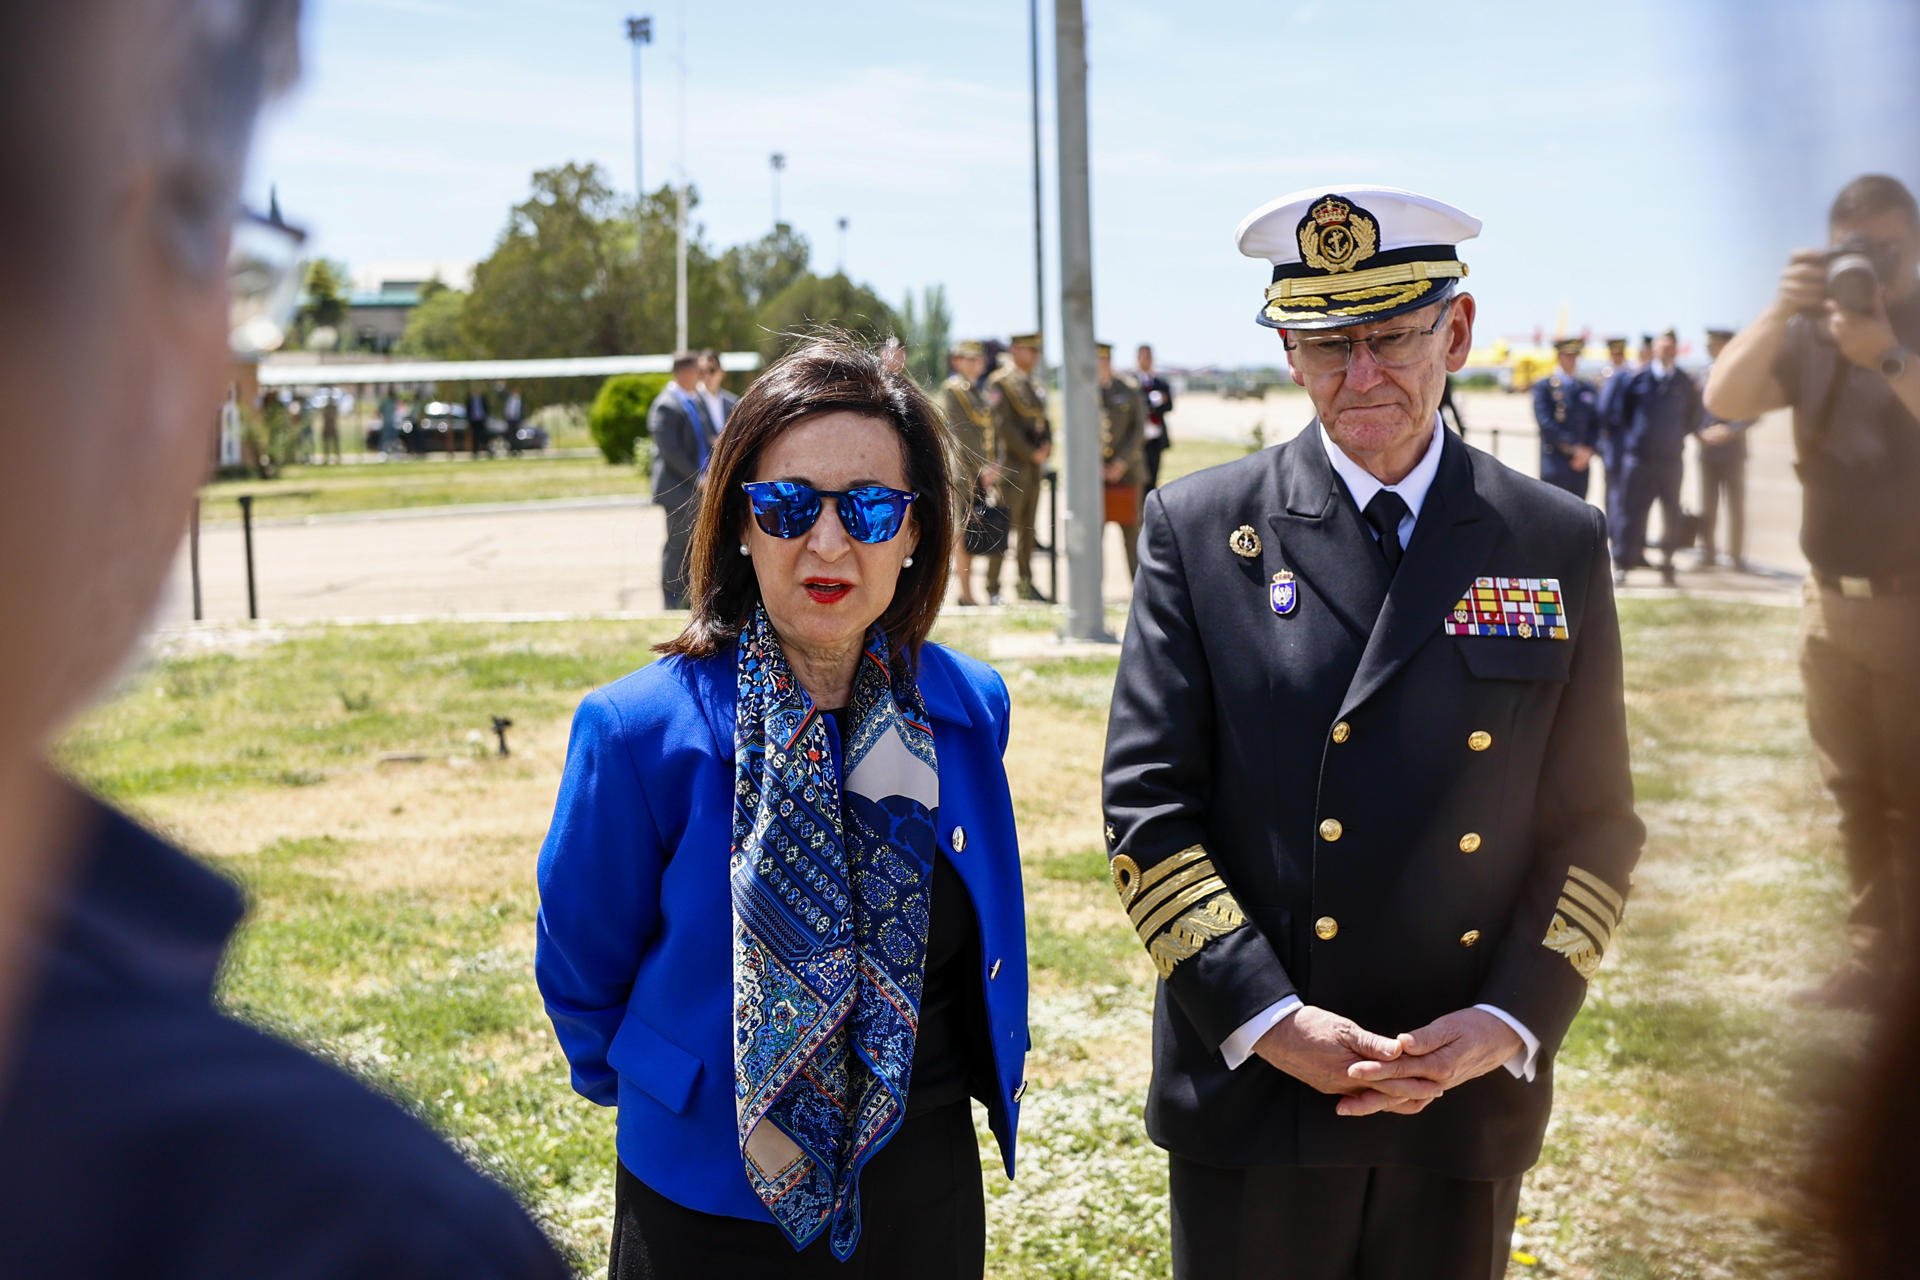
1479	740
1470	937
1325	927
1342	731
1470	842
1330	830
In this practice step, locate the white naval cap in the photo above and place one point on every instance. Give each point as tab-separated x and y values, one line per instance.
1354	254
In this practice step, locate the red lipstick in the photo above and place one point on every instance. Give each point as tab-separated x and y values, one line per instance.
827	590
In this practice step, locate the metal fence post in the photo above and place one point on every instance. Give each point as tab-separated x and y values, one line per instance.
193	558
246	528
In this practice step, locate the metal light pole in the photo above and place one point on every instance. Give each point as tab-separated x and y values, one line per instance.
1039	252
1079	392
842	224
640	32
680	252
778	162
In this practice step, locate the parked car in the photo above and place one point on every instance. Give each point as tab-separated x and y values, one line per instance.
440	427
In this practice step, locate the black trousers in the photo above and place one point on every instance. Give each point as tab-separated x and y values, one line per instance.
1289	1223
1649	481
922	1215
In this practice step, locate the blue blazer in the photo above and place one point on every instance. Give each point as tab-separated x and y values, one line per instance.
634	950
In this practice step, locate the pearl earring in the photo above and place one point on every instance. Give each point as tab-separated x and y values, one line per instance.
907	563
744	551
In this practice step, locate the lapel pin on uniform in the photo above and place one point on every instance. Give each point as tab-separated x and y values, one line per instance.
1283	593
1244	542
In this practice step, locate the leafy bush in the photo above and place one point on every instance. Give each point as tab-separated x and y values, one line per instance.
619	414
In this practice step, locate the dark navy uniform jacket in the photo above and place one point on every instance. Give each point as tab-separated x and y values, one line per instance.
1313	789
1566	412
1657	415
145	1133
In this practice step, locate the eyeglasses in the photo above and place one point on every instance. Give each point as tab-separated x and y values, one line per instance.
786	509
1394	349
263	282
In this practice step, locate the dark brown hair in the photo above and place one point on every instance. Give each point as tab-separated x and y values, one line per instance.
1870	195
827	374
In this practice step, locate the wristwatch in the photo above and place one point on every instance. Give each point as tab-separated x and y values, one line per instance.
1894	361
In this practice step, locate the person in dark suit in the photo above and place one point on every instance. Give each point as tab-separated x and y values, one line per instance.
1606	403
713	391
479	424
683	436
781	925
1158	393
1658	410
1366	786
144	1129
1563	408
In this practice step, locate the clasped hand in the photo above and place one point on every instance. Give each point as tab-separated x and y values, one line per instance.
1372	1073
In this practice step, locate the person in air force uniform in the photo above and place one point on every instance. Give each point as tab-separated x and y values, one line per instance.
1366	786
1563	409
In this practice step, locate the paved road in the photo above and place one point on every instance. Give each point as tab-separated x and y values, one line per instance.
602	555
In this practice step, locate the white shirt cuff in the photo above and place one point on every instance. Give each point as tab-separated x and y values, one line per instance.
1520	1066
1239	1045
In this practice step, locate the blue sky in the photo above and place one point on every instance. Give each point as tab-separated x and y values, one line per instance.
1637	164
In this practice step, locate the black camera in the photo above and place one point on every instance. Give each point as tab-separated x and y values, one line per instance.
1855	268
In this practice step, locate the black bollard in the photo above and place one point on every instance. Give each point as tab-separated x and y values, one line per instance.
246	530
500	726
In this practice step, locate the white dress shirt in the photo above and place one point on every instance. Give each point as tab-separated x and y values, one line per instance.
1362	484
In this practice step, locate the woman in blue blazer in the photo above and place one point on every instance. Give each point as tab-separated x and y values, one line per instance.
781	925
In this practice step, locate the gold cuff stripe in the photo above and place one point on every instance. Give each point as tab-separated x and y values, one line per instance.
1607	892
1190	933
1403	273
1587	898
1168	865
1572	912
1575	946
1182	901
1150	901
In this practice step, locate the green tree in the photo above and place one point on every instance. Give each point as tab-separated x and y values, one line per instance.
813	302
763	269
323	300
435	329
927	329
618	419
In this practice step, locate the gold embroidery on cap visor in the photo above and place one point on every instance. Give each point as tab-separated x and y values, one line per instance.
1177	906
1584	920
1298	299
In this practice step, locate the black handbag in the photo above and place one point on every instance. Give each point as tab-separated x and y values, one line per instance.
988	527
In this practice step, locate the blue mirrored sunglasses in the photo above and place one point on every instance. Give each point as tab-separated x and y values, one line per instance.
786	509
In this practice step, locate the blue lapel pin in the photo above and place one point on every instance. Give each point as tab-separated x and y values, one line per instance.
1283	594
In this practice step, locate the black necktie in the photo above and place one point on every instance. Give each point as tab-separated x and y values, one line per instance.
1385	513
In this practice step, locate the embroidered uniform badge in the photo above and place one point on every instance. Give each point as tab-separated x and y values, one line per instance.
1244	542
1524	608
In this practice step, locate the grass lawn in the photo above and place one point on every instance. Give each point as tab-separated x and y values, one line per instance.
419	482
346	776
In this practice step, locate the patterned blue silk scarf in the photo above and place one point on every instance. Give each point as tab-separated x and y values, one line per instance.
830	899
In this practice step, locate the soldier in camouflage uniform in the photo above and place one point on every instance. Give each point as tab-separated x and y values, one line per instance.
1123	448
1023	443
969	419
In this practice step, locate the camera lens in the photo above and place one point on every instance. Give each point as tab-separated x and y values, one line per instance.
1852	281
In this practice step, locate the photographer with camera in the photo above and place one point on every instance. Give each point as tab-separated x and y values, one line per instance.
1836	345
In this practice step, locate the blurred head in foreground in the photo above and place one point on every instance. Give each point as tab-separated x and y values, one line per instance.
124	128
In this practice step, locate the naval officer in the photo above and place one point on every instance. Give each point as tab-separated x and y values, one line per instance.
1563	408
1366	786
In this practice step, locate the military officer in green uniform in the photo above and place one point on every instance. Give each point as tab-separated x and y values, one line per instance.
1366	786
1023	443
969	419
1123	451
